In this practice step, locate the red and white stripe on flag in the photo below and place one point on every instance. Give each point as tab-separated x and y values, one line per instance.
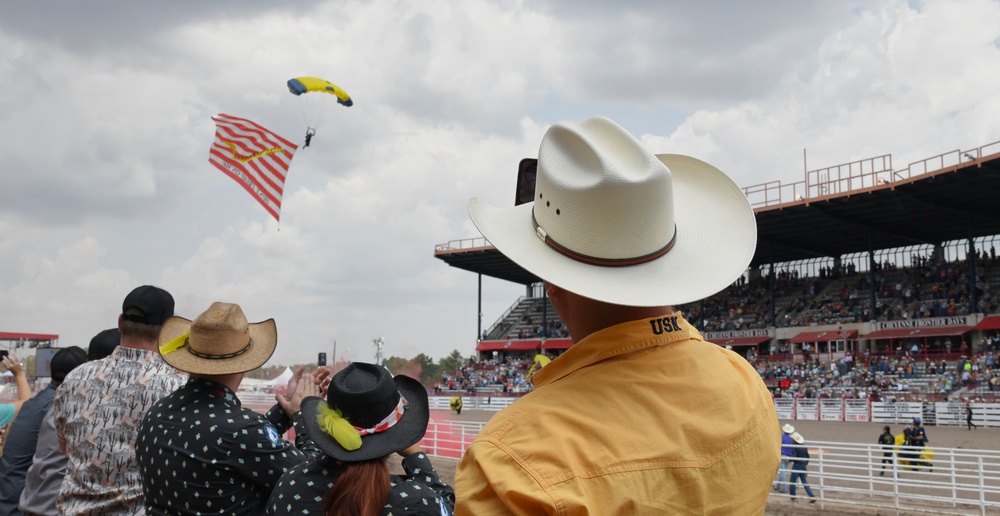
254	157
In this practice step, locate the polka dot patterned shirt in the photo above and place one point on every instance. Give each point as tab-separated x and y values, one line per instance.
420	491
201	452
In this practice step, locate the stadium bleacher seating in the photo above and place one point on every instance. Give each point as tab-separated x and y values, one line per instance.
927	289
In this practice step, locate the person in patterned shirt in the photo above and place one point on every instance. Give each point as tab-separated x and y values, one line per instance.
368	416
199	450
98	408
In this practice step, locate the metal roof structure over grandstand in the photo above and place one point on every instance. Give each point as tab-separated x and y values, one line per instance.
850	208
12	339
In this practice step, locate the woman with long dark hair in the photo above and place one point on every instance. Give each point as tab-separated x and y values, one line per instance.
368	417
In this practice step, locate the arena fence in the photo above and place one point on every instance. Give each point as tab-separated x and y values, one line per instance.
947	413
263	401
946	481
943	481
942	413
487	403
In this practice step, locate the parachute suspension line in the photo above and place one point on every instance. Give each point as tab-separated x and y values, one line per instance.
302	109
314	95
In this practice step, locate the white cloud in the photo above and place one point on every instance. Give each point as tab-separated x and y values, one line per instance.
106	129
889	83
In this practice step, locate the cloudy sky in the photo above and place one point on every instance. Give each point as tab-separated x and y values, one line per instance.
105	126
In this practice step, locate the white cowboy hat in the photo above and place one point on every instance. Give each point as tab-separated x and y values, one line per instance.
788	428
612	222
797	438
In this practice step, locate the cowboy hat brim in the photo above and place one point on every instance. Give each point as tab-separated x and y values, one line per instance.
716	240
409	430
263	340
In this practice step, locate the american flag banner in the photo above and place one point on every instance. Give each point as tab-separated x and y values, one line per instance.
254	157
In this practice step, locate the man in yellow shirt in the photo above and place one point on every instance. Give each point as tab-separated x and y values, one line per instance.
640	415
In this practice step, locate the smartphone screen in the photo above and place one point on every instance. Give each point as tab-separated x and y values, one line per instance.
3	353
526	171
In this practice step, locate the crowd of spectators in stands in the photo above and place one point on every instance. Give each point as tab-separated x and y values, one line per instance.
742	306
884	378
842	295
553	329
836	295
880	378
495	376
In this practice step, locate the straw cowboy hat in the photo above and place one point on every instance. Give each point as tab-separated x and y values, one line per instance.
219	341
788	428
613	222
797	438
368	414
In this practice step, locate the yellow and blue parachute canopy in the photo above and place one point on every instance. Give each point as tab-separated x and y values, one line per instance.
301	85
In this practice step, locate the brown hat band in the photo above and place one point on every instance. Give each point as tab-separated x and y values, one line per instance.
215	356
603	262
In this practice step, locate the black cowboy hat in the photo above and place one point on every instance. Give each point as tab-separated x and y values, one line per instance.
368	396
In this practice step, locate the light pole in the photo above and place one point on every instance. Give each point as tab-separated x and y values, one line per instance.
377	342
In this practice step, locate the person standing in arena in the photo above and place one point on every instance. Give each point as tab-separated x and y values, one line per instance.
786	454
800	463
918	436
968	416
917	441
887	440
641	414
907	452
98	408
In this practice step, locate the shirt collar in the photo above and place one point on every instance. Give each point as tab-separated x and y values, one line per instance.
135	353
615	341
214	388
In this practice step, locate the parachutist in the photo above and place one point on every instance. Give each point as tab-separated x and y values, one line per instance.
309	136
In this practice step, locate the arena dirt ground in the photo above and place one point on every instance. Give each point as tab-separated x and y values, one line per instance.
941	437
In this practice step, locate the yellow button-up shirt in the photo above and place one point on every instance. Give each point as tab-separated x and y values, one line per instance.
644	417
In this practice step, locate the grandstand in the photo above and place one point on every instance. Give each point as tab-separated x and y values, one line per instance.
890	269
12	340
